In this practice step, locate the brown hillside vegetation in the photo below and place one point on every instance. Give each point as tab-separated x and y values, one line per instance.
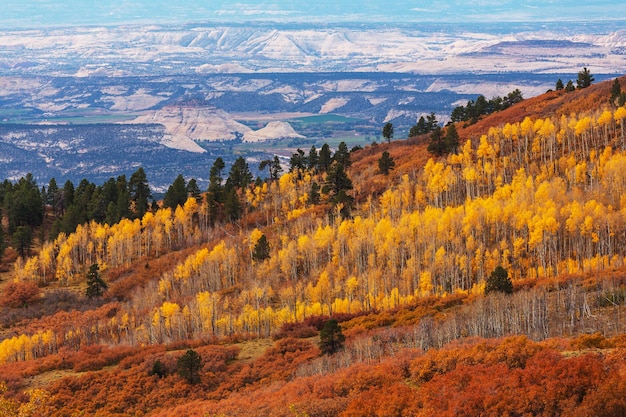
551	104
536	191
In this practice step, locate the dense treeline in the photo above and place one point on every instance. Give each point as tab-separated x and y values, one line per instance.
26	205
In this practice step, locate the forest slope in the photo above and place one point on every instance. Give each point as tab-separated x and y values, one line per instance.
536	189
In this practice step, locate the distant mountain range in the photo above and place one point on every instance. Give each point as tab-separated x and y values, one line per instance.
238	48
176	97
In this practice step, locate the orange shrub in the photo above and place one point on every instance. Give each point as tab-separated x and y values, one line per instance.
19	294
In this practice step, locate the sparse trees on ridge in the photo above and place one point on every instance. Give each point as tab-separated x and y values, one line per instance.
474	109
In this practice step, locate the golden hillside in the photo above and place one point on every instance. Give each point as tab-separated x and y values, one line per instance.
537	189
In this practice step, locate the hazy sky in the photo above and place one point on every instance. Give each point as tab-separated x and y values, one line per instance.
37	13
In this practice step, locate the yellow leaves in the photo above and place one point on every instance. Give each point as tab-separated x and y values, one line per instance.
37	403
620	114
255	235
583	126
439	178
485	149
193	265
574	213
425	284
581	173
470	174
304	243
605	118
324	237
295	213
168	310
511	131
165	287
527	127
352	284
389	203
286	182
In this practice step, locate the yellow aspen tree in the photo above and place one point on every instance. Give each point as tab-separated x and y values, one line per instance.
547	132
527	132
604	121
425	284
581	129
169	311
619	116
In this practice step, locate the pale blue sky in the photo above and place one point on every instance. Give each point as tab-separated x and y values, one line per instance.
37	13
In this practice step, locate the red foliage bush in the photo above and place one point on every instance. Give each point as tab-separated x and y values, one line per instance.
96	357
296	330
19	294
277	363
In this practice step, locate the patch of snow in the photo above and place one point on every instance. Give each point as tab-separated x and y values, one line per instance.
140	100
333	104
186	125
273	130
222	69
376	101
181	142
393	114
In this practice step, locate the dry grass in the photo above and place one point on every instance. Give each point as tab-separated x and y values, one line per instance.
253	349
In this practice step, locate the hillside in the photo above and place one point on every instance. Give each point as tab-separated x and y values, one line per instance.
404	262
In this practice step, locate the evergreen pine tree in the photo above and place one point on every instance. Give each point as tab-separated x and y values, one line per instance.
385	163
325	158
559	85
314	193
451	141
176	194
312	159
616	91
232	206
261	249
388	131
342	155
23	240
193	190
499	281
189	366
584	79
139	193
331	337
95	284
239	176
436	145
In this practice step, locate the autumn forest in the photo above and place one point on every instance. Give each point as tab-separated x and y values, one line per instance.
477	268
